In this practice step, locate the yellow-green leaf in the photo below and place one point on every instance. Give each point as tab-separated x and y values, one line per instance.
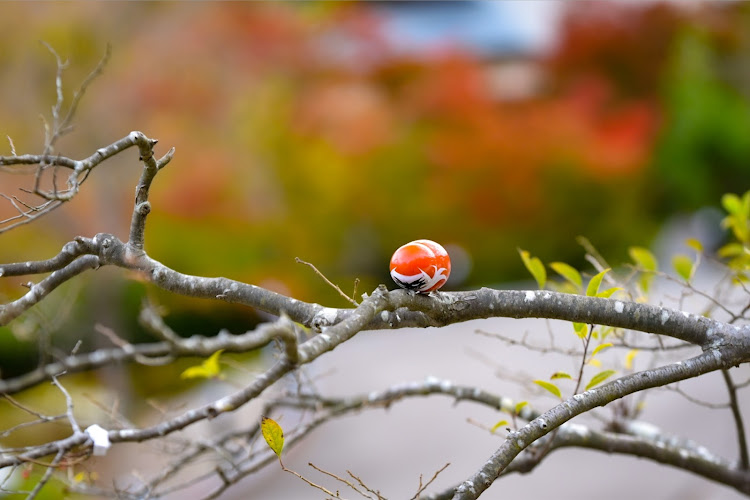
731	203
593	288
594	362
557	375
643	258
629	357
694	244
608	292
209	368
580	329
599	378
535	267
568	272
600	348
731	250
501	423
684	266
273	434
519	406
550	387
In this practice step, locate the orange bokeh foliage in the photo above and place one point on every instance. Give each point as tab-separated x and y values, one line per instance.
303	128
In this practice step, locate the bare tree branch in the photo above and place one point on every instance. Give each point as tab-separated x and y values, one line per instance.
711	360
724	345
741	439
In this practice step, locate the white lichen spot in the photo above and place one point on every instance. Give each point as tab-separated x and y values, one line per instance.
325	337
520	443
127	433
542	423
664	317
28	264
686	314
2	271
619	306
546	295
446	385
328	314
384	316
506	404
432	380
644	430
223	405
530	296
234	287
98	356
704	454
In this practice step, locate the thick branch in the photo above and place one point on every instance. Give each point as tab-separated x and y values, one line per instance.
700	462
580	403
40	290
409	310
306	352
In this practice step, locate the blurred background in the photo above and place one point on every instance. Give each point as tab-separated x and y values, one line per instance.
337	131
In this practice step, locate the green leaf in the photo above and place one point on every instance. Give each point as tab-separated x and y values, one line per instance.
731	250
209	368
273	434
694	244
550	387
684	266
643	258
599	378
568	272
600	348
593	288
535	267
519	406
739	212
580	329
732	204
557	375
501	423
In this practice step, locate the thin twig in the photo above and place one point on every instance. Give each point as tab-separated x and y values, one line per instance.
424	487
69	406
741	439
321	488
47	475
337	478
335	287
362	484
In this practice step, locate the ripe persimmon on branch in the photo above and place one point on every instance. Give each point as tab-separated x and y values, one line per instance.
304	331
